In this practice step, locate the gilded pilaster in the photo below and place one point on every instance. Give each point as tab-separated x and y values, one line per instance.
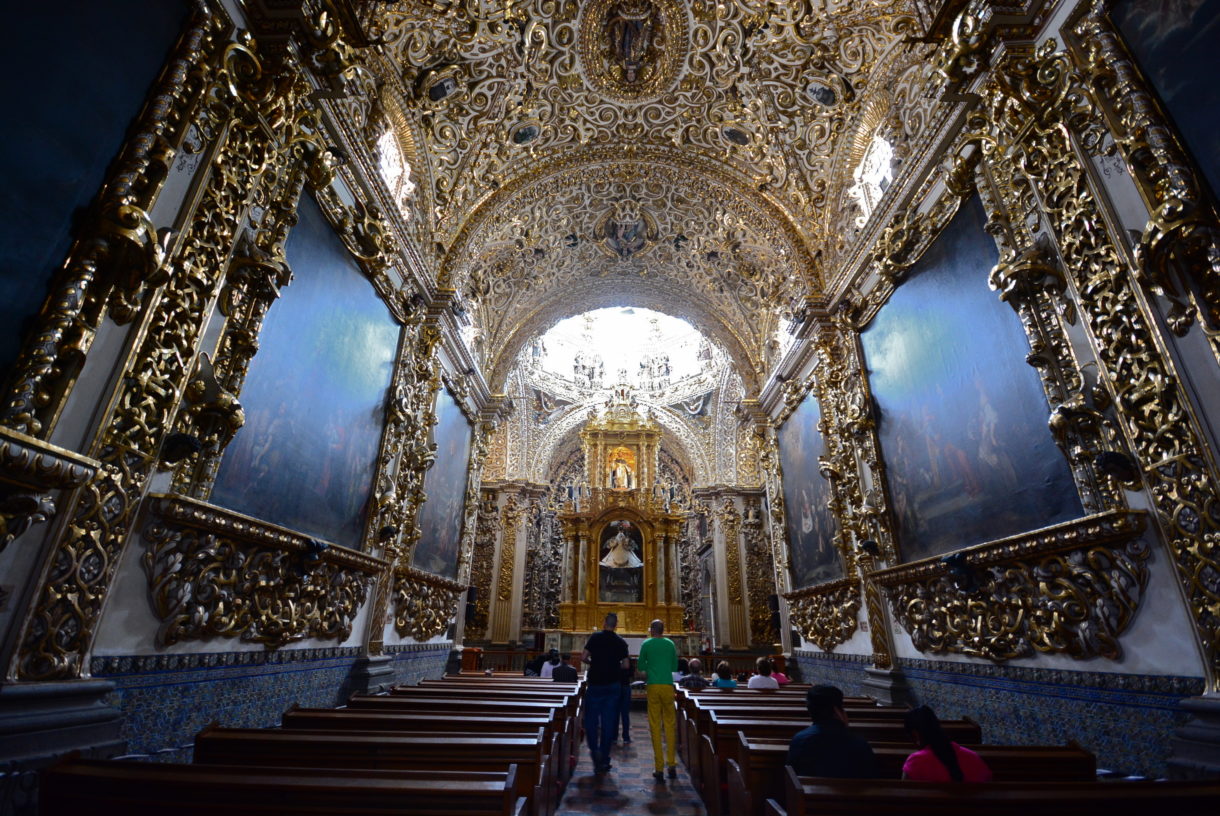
1041	115
120	258
1176	255
251	118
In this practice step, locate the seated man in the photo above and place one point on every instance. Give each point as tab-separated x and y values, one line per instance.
565	673
694	680
828	748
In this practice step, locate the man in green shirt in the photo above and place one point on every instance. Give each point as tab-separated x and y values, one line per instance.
658	661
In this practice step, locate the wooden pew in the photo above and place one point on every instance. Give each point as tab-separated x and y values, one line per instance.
721	740
535	776
80	786
491	706
884	797
757	772
374	720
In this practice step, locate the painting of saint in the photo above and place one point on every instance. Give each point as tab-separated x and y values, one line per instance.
811	525
621	566
963	417
314	395
440	518
1174	42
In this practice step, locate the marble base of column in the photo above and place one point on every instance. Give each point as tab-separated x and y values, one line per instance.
1195	747
44	720
886	686
372	675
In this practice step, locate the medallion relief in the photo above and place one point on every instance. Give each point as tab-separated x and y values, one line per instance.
633	50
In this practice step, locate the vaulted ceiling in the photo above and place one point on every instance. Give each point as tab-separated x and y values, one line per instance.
682	155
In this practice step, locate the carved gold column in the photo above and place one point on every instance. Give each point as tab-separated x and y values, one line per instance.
1176	253
729	520
481	566
1037	104
511	514
119	258
254	119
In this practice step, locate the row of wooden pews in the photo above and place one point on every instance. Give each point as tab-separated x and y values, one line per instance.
459	745
735	745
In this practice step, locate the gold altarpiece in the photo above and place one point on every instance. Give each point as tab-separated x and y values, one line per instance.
621	529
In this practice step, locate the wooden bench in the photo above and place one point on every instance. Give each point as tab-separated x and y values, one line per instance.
79	786
721	742
757	772
535	778
491	707
883	797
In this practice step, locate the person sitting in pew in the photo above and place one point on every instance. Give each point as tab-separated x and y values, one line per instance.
694	679
565	672
827	747
724	676
938	759
548	666
762	678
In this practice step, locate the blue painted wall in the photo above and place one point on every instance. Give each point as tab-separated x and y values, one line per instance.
73	75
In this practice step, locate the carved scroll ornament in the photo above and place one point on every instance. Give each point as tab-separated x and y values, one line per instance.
1069	589
29	469
826	614
212	572
424	603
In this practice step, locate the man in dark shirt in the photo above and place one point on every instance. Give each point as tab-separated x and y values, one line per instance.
828	748
565	672
606	654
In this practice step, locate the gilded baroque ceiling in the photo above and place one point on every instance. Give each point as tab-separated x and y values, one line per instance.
682	155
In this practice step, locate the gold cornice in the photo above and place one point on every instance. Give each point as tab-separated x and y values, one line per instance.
200	515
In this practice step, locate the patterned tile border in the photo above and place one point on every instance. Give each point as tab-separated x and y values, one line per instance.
109	665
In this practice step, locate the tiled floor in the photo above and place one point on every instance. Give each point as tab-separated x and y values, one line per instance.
629	789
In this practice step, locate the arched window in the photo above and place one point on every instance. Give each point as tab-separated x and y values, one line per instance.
872	177
395	170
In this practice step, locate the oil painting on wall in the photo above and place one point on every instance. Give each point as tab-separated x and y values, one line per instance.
811	525
620	571
1174	42
962	415
440	519
314	395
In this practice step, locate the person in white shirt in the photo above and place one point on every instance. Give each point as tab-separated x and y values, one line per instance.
763	678
552	660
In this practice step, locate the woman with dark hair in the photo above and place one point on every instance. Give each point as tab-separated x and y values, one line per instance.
724	676
938	759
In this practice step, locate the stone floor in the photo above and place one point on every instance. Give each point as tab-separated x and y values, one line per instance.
629	789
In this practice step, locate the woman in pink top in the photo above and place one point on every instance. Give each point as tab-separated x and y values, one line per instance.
938	759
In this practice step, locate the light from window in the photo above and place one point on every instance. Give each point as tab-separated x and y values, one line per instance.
872	177
395	170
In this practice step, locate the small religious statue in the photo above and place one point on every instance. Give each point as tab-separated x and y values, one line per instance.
631	29
620	475
621	552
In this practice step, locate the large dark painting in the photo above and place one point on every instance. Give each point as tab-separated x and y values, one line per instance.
73	75
1175	42
440	519
314	395
620	566
811	525
963	416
